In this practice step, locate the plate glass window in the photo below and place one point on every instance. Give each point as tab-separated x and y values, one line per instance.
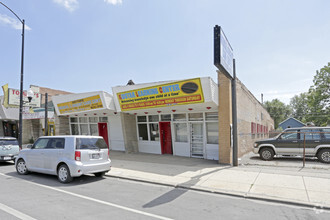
143	132
179	117
180	132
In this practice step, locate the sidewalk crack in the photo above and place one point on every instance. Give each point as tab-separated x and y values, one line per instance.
253	184
305	188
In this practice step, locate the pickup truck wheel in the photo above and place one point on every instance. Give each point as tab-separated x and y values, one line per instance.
266	153
324	155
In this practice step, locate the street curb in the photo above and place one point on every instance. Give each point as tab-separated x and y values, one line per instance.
237	195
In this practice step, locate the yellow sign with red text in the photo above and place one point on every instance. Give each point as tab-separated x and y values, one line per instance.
170	94
84	104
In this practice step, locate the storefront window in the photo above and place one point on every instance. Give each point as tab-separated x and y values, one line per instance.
179	117
74	120
212	132
211	116
84	129
74	129
94	130
154	132
165	117
82	119
143	132
181	132
141	118
153	118
195	116
93	119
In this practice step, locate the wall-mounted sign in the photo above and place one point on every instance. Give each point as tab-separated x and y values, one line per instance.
223	53
176	93
38	115
84	104
14	98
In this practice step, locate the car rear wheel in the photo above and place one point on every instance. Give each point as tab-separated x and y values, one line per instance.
21	167
266	153
324	155
63	174
99	174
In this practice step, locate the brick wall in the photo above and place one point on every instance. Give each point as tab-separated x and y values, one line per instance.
32	129
250	110
62	125
225	119
51	92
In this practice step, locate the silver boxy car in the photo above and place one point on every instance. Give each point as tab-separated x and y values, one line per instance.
66	157
9	148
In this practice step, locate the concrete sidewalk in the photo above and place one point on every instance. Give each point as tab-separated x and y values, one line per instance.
293	185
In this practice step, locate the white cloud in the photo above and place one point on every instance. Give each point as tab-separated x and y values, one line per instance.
69	5
13	22
114	2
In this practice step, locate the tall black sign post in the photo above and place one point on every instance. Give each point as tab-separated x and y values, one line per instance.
223	60
20	122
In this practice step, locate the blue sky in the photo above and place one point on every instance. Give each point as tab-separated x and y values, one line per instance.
93	45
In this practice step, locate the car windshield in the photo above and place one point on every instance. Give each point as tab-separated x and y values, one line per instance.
8	142
90	144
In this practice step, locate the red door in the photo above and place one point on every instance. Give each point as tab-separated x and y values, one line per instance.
103	131
165	137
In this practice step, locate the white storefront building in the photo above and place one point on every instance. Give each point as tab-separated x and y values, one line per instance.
171	117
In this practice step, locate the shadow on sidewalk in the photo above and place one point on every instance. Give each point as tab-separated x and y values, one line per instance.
177	192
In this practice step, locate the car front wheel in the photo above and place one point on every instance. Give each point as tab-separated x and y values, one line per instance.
266	153
324	155
63	174
21	167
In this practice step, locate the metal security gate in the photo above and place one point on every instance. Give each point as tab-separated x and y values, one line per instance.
196	141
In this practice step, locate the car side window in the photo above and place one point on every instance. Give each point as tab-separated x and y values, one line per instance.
56	143
310	135
289	135
326	133
41	143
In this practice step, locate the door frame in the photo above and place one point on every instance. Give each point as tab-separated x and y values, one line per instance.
190	123
99	127
162	147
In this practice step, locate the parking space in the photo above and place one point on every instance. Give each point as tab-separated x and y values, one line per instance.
283	161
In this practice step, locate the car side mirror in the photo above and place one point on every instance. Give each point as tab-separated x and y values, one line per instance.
29	146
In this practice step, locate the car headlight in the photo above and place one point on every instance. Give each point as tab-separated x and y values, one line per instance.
255	145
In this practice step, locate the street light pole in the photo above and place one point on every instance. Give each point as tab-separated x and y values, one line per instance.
20	126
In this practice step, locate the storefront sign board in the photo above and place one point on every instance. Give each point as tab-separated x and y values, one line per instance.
169	94
84	104
14	98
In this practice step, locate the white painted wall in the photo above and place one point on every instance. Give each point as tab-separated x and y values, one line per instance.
212	151
151	147
181	149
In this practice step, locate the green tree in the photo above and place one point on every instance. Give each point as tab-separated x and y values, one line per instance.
299	106
319	98
278	110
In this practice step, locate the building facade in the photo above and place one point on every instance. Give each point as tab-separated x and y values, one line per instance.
181	118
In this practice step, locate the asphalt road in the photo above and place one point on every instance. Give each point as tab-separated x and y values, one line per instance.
38	196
